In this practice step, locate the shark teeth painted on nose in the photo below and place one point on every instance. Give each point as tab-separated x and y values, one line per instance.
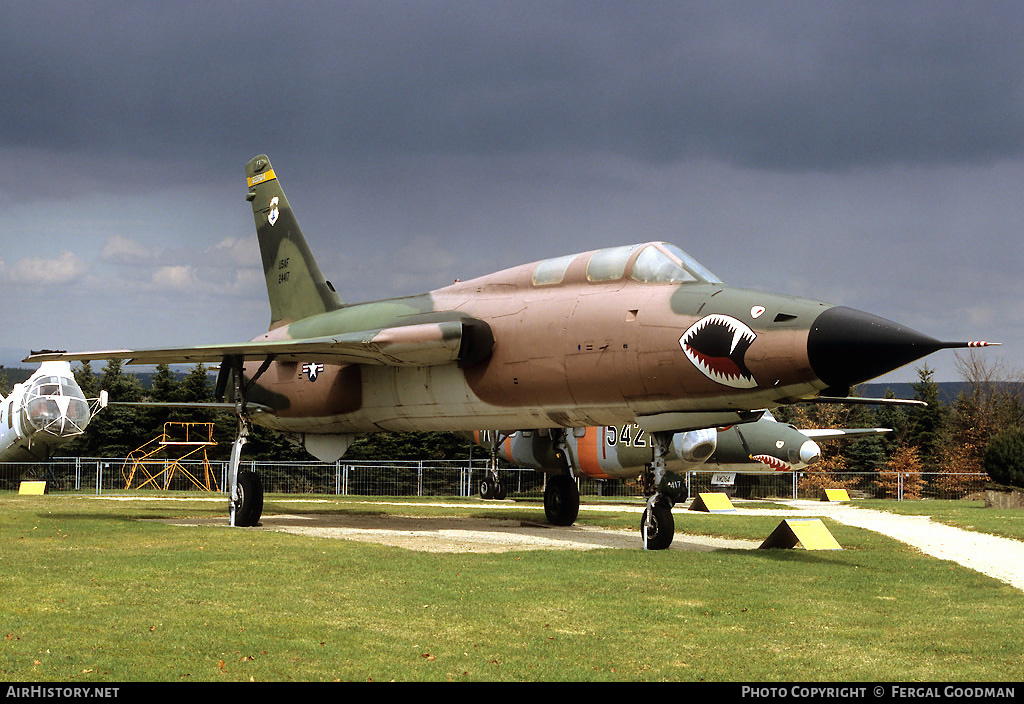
772	462
717	344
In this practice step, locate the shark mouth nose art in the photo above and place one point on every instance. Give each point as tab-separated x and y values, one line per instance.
717	345
772	462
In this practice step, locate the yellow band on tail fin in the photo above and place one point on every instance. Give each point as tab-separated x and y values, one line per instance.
268	175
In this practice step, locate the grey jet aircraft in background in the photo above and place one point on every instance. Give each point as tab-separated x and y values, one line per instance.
763	447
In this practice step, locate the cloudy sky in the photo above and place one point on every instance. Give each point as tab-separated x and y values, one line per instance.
869	154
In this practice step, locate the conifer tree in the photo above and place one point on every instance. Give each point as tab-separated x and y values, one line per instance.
897	420
196	388
928	430
864	454
117	430
87	379
163	387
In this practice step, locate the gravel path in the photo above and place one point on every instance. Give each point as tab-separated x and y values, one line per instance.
1001	558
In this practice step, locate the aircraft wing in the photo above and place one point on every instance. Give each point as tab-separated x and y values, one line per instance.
841	433
420	345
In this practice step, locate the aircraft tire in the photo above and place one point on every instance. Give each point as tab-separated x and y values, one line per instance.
486	489
561	500
250	507
499	490
659	535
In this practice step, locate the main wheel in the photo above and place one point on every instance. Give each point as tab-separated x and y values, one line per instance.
657	532
561	500
250	505
487	488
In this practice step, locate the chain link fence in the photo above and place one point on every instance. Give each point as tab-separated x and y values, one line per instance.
457	478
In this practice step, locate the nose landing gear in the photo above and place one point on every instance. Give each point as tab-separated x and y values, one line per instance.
663	490
491	486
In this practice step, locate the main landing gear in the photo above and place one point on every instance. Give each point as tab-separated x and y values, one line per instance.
561	500
663	490
245	490
561	494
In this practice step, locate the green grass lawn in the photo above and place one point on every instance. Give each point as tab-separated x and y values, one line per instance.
92	593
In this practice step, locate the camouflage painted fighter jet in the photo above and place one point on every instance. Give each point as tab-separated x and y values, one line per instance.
640	334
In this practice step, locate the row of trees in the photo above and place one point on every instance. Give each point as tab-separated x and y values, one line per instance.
982	430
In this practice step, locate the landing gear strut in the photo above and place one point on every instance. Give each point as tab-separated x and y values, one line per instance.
561	495
491	486
245	490
663	490
245	493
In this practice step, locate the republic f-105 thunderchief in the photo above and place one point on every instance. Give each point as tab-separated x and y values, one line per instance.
639	334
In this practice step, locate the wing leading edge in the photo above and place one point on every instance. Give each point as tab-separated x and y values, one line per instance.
427	344
840	433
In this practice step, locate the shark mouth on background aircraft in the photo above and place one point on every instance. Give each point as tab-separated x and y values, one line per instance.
717	344
772	462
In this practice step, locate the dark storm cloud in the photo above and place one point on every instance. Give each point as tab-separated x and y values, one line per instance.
773	86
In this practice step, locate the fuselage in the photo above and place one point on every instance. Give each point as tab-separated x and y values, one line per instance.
596	339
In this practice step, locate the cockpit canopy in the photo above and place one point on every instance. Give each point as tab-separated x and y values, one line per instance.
57	406
657	262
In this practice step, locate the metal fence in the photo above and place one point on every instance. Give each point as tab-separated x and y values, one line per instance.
453	478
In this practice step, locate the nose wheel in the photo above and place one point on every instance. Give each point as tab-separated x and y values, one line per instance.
657	527
491	486
663	490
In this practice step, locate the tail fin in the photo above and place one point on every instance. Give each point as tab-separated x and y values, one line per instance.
295	285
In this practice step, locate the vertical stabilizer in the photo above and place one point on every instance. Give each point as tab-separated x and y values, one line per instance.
295	285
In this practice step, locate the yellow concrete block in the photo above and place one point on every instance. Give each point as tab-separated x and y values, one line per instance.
32	488
810	533
836	495
712	503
